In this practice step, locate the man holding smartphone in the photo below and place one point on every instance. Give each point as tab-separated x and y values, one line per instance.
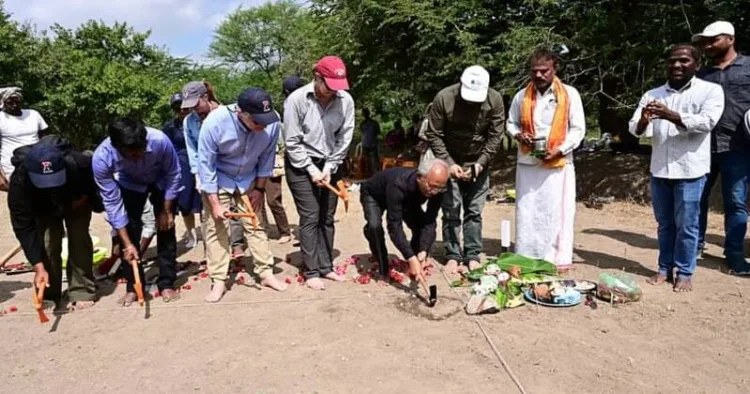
466	122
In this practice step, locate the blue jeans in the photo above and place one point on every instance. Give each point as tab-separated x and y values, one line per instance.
733	167
469	196
676	207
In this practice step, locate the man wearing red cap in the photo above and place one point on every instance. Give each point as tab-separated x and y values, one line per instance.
318	128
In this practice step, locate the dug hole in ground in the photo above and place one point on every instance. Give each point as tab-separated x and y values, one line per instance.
377	338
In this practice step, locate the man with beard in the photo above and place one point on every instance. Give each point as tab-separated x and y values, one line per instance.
729	141
679	117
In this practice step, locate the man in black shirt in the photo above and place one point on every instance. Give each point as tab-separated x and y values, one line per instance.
730	147
52	184
401	192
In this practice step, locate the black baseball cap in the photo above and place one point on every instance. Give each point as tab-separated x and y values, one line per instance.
175	100
258	103
45	166
292	83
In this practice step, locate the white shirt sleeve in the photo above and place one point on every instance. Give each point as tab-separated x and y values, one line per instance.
576	122
42	123
710	112
513	124
633	124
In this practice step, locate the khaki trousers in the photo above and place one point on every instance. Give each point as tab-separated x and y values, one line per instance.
218	246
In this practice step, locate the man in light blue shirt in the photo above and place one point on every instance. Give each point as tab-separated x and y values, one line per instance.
236	155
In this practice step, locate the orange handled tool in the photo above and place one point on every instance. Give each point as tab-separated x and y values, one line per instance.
38	296
250	212
342	192
138	286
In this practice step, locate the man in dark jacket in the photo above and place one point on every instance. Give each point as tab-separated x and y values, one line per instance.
401	192
53	185
466	123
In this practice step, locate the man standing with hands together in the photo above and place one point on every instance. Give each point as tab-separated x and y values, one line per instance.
466	123
679	117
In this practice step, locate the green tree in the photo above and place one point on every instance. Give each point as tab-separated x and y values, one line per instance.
97	72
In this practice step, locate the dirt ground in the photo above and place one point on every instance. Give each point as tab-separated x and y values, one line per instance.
376	338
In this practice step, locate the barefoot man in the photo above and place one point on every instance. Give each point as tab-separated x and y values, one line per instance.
134	164
236	153
318	129
52	186
401	192
678	117
465	128
546	184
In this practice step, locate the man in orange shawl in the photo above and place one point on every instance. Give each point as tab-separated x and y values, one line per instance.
551	113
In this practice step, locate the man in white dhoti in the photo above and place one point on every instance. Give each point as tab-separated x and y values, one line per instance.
549	114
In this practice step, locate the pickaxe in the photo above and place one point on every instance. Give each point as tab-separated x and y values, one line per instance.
342	192
138	285
39	302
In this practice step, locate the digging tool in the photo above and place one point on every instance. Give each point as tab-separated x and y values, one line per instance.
138	285
38	297
342	192
9	255
250	212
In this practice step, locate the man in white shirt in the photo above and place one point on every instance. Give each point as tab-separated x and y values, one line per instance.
550	113
18	127
679	117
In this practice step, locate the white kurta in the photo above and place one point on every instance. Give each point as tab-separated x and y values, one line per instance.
546	197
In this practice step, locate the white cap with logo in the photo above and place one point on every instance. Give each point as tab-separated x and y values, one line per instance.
475	82
715	29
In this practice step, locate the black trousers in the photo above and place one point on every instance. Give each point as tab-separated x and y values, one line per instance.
316	207
375	233
166	240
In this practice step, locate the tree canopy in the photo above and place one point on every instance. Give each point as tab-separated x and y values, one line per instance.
399	53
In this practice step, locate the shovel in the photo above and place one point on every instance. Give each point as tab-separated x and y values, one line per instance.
38	297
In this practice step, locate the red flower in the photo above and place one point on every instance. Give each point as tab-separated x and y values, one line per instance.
13	309
288	280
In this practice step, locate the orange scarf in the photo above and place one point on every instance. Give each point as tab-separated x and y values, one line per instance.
559	128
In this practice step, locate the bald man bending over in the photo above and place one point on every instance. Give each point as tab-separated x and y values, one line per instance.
401	192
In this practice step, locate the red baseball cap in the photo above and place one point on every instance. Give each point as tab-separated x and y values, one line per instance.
333	71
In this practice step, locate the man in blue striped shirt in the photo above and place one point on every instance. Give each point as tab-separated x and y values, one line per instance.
236	155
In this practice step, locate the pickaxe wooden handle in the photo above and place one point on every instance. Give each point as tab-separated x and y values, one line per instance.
138	285
4	260
341	192
250	211
38	297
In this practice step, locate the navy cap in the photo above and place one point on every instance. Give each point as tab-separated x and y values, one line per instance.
176	99
292	83
45	166
258	103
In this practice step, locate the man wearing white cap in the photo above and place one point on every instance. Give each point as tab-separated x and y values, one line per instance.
730	146
465	128
547	120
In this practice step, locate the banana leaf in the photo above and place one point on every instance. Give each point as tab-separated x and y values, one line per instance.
528	266
501	297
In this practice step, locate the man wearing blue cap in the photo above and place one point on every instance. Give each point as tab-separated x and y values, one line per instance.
236	153
52	186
